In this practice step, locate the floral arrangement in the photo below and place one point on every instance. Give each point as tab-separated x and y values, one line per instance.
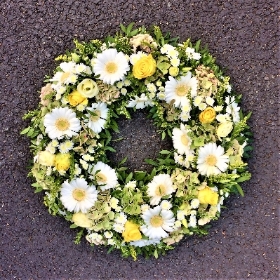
190	101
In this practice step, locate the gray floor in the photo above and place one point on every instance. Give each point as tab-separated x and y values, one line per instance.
242	35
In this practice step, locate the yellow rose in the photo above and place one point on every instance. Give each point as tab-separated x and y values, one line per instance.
144	67
81	220
207	116
46	158
62	162
208	196
88	88
75	98
173	71
224	129
131	232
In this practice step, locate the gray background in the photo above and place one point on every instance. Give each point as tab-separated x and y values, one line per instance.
242	35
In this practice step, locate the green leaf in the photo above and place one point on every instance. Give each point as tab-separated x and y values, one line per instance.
24	131
73	226
164	152
129	177
150	161
238	187
110	149
123	161
123	28
163	134
140	175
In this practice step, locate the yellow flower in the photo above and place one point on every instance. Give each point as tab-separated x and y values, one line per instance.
75	98
144	67
81	220
46	158
62	162
173	71
88	88
207	116
131	232
208	196
224	129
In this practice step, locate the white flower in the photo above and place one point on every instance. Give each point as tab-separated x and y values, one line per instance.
140	102
108	234
151	87
190	52
157	223
136	56
144	242
202	106
180	215
105	176
203	221
194	203
181	140
97	119
121	218
165	205
166	48
114	202
228	88
179	90
111	65
61	122
193	221
82	68
175	61
223	118
210	101
95	238
77	170
68	76
160	186
78	196
212	160
144	207
66	146
131	185
234	109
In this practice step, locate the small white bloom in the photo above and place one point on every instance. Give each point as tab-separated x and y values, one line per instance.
165	205
210	101
195	203
193	221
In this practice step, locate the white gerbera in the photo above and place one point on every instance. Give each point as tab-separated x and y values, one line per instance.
179	90
160	186
61	122
97	120
212	160
111	65
181	140
78	196
68	76
105	176
157	222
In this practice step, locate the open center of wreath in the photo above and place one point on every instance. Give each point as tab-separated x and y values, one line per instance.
138	139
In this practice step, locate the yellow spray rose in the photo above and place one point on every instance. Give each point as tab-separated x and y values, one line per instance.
81	220
131	232
75	98
208	196
62	162
207	116
224	129
144	67
46	158
88	88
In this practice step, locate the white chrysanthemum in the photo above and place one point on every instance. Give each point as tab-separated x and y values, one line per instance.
82	68
78	196
234	109
136	56
179	90
111	65
61	122
157	223
140	102
97	121
212	160
160	186
193	221
166	205
68	75
105	176
66	146
144	242
195	203
181	140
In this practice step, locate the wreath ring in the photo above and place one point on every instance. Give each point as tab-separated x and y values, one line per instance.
190	101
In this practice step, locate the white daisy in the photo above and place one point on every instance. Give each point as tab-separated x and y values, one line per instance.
179	90
97	119
212	160
181	140
78	196
105	176
61	122
111	65
67	75
144	242
160	186
157	223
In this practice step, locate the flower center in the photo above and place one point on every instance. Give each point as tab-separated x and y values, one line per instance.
101	177
156	221
111	67
96	117
182	90
79	194
160	190
184	140
211	160
62	124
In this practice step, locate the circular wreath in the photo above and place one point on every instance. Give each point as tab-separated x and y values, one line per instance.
190	101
